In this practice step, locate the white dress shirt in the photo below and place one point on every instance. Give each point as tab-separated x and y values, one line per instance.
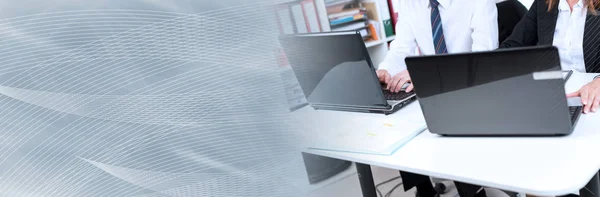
568	35
469	25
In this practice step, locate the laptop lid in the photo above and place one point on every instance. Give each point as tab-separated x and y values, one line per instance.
502	92
334	69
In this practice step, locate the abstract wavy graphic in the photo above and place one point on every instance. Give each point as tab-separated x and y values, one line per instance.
143	98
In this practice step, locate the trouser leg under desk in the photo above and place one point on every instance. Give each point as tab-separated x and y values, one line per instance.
511	194
592	189
468	190
422	183
365	178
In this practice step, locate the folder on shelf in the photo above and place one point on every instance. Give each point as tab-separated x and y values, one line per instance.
350	26
284	19
329	3
386	18
372	27
373	14
299	18
360	26
394	6
340	21
343	13
311	16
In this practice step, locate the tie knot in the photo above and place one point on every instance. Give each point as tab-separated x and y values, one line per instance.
434	3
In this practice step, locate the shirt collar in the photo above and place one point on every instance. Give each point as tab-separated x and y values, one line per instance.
563	5
579	4
446	3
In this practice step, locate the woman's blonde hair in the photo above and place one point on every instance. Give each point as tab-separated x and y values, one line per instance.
590	4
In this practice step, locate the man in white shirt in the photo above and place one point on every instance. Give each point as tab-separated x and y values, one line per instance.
437	27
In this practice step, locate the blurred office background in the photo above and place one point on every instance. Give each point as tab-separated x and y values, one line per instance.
375	20
144	98
167	97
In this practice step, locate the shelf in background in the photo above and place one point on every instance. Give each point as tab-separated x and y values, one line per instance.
373	43
377	42
281	2
339	2
389	39
335	25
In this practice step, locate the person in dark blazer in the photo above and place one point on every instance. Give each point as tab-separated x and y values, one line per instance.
573	26
510	12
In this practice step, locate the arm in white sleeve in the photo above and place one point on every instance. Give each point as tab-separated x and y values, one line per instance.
484	26
402	46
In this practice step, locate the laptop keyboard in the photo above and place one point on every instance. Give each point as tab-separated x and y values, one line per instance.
396	96
574	112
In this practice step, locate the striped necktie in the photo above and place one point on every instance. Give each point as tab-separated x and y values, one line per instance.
436	28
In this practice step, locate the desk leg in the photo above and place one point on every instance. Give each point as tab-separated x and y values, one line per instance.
592	189
365	177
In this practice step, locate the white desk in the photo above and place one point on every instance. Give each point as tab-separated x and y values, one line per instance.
534	165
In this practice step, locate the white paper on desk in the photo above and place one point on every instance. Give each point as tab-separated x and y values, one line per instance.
382	137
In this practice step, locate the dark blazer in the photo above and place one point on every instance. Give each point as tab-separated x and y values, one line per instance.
510	12
538	26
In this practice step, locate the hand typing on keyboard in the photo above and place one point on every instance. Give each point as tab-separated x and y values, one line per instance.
397	83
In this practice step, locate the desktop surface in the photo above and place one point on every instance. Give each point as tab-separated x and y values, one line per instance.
534	165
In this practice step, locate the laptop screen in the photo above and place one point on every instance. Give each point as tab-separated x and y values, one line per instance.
333	69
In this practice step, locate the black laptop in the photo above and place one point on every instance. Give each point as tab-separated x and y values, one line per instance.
335	72
507	92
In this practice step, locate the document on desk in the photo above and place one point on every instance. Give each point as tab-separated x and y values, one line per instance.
379	137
